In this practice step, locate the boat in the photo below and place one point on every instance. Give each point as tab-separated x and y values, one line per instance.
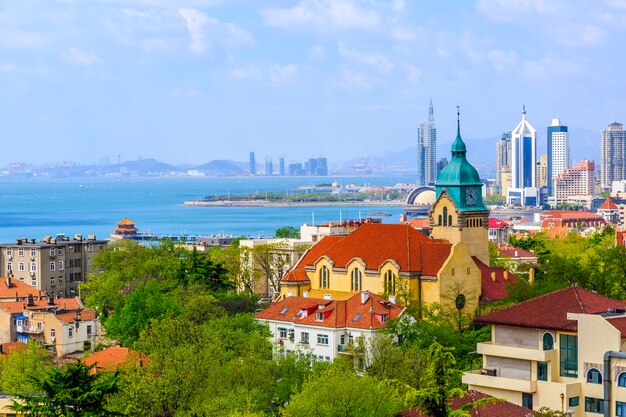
378	213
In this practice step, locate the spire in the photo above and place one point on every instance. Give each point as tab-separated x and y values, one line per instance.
431	117
523	112
458	146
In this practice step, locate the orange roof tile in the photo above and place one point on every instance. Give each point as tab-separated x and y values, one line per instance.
608	204
417	223
83	315
61	303
9	347
112	358
350	313
11	289
570	215
126	221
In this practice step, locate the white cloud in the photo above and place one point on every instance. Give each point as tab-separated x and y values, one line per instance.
203	29
322	16
23	70
507	10
377	61
282	73
413	73
246	73
356	80
398	5
578	35
547	67
317	52
76	56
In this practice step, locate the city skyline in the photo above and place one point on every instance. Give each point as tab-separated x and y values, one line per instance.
349	77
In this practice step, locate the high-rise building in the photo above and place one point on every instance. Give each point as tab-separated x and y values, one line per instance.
542	171
503	158
322	167
441	164
281	166
575	182
558	152
269	170
613	155
524	190
252	164
427	150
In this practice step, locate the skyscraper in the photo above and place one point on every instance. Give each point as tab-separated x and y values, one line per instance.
269	170
427	150
613	155
281	166
252	164
558	152
503	158
523	189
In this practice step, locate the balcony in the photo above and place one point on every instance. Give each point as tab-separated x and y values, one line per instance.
488	378
29	329
490	349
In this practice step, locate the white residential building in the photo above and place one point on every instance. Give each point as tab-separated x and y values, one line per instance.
558	152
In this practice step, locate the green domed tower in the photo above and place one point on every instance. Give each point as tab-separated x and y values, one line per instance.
459	214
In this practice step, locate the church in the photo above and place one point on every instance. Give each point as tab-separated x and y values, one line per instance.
451	267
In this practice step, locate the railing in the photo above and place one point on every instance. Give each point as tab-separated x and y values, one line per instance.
29	329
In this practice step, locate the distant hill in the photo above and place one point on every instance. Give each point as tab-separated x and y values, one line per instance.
142	167
220	167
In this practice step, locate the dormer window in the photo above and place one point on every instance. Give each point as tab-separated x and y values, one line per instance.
319	316
384	318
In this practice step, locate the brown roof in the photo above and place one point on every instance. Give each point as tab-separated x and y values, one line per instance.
570	215
493	290
493	409
513	252
376	244
549	311
350	313
83	315
9	347
111	358
608	204
126	221
62	303
13	288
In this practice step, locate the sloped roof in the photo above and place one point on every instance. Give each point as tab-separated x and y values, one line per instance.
549	311
60	303
608	204
350	313
16	289
570	215
493	290
83	315
492	409
376	244
513	252
126	222
113	357
497	223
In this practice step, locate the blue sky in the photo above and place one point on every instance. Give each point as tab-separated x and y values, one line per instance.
191	81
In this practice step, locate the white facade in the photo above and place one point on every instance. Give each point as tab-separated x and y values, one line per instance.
558	141
524	190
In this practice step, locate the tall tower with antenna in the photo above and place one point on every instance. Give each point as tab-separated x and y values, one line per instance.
427	149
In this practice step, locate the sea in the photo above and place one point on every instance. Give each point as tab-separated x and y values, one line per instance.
33	207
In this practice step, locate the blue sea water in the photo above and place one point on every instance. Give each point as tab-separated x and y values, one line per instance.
36	207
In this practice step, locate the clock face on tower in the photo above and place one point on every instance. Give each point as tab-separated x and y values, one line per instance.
470	197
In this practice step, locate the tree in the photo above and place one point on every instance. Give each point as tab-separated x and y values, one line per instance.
198	268
287	232
271	261
17	368
69	391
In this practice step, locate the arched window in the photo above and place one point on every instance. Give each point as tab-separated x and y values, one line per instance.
440	220
356	280
548	341
389	283
450	220
445	216
324	277
594	376
621	380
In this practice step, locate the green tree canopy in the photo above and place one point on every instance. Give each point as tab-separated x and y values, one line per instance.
287	232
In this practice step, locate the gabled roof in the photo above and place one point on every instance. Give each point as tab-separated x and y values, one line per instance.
493	290
515	253
111	358
492	409
570	215
82	315
497	223
126	222
549	311
12	289
608	204
350	313
71	304
376	244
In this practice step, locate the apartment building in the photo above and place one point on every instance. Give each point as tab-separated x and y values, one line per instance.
577	181
53	265
565	350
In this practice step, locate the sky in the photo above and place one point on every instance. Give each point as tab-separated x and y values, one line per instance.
190	81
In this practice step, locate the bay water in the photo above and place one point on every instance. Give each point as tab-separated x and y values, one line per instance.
34	207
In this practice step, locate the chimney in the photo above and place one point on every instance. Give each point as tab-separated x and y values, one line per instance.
516	254
403	217
392	299
506	275
493	276
30	301
365	295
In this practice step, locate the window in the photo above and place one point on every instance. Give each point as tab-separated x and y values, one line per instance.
450	220
568	351
70	332
33	282
322	339
71	248
60	252
53	334
573	402
20	251
21	266
282	332
548	341
594	376
620	409
621	380
542	371
33	252
324	277
594	405
527	400
9	252
291	333
52	281
60	280
51	266
440	220
389	284
469	270
452	271
384	318
356	280
445	216
9	266
61	266
52	252
90	247
304	338
319	316
33	266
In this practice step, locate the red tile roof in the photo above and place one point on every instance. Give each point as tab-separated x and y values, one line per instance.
549	311
375	244
111	358
83	315
513	252
417	223
350	313
619	323
11	289
570	215
492	409
497	223
61	303
9	347
493	290
608	204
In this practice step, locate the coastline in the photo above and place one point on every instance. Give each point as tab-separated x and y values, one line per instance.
253	203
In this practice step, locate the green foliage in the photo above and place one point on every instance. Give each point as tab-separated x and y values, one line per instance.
69	391
494	199
439	381
18	367
342	393
197	268
287	232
